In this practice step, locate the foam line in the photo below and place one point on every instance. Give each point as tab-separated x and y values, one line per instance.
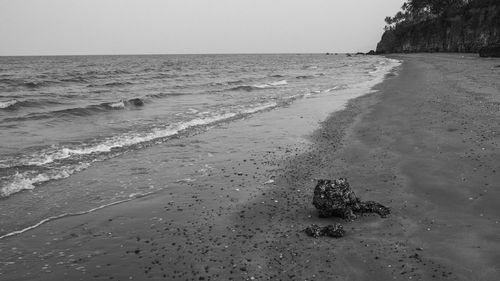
44	221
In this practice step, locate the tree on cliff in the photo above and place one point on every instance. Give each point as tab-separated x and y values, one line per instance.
414	11
435	7
442	26
392	22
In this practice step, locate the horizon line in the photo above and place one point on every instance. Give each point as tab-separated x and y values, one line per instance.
177	54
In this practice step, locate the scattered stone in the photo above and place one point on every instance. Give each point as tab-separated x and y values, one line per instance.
416	256
313	231
336	199
335	231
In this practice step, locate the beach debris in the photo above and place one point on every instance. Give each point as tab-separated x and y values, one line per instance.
334	198
335	231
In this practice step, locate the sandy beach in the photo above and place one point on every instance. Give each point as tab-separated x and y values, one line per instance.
425	143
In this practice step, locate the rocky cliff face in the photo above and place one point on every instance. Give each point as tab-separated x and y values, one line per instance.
467	31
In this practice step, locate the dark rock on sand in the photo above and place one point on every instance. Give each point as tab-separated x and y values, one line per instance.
490	51
336	199
136	102
335	231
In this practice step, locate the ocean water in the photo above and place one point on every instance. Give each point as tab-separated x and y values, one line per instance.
62	115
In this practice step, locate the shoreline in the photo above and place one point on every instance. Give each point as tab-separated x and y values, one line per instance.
81	175
235	163
426	145
388	144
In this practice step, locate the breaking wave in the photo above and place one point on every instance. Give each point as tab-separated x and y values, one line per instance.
16	104
7	104
78	111
249	88
56	162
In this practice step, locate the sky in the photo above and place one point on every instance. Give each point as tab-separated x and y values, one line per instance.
83	27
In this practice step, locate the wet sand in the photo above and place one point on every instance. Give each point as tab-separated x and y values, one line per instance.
425	144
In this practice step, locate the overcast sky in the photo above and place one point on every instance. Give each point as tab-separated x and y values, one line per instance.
64	27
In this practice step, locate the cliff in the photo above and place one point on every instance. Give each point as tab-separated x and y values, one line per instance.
467	30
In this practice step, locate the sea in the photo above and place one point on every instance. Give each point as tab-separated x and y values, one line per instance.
63	115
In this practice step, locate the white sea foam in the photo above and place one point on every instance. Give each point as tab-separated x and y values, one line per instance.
279	83
52	159
271	84
377	76
260	108
335	88
28	181
52	218
126	140
117	105
262	86
7	104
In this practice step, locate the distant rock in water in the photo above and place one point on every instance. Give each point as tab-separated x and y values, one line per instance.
371	53
136	102
336	199
335	231
490	51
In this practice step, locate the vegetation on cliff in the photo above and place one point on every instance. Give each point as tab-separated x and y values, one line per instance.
442	26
